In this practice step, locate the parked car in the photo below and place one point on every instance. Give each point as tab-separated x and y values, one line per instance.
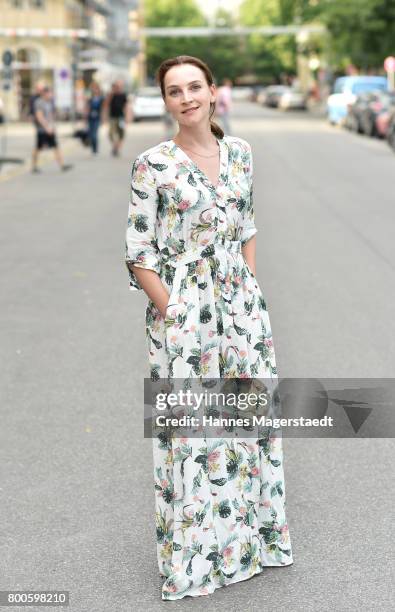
345	92
147	103
391	130
384	107
261	97
242	92
355	111
272	95
292	98
364	116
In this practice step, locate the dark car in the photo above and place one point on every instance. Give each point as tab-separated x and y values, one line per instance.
273	94
391	129
378	103
353	119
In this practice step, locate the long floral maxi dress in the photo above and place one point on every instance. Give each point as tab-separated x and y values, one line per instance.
220	503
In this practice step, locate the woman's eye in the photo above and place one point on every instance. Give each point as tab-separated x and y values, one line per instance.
175	91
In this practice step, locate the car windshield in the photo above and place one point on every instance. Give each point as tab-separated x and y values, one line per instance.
359	87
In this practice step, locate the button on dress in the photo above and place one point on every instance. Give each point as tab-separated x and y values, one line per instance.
219	502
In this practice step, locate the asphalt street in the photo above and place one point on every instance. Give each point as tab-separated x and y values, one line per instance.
76	482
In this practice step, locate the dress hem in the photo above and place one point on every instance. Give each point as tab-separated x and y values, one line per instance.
219	586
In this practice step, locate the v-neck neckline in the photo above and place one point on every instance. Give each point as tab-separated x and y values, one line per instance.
223	161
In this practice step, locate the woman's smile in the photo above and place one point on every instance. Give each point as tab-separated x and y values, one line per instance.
190	110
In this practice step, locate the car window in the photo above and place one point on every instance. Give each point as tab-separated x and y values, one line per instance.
360	86
339	86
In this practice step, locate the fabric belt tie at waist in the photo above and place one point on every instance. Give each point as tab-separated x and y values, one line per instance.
179	259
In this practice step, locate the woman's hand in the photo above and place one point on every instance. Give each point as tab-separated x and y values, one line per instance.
248	251
152	285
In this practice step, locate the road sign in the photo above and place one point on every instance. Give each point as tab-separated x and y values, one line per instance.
389	64
7	58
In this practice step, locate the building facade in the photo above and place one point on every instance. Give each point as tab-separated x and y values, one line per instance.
65	44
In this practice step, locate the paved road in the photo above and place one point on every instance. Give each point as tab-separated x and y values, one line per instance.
76	475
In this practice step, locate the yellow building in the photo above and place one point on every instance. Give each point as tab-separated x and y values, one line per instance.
58	42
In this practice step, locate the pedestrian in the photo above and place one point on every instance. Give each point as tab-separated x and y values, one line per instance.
224	104
93	113
117	111
190	245
44	117
39	86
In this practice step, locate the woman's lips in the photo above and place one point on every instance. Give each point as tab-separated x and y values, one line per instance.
190	110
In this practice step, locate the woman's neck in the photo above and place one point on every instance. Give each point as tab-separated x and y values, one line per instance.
198	138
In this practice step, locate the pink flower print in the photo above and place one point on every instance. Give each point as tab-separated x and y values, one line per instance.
213	456
243	510
254	471
228	551
173	339
266	504
205	358
183	205
211	333
243	353
284	528
164	483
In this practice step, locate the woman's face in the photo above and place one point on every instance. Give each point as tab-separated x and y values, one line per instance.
186	88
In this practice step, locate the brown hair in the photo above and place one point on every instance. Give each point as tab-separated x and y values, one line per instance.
195	61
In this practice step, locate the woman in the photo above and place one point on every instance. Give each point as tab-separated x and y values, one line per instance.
190	245
94	115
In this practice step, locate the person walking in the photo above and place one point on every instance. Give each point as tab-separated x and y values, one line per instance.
224	104
190	245
44	118
93	113
117	112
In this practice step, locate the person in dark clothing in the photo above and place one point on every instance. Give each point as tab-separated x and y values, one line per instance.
117	104
44	118
94	109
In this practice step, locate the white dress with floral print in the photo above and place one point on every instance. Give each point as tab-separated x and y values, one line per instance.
220	502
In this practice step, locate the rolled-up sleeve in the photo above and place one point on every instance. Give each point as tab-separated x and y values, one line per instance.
141	247
248	228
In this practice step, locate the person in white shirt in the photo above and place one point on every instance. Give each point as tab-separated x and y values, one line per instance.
224	104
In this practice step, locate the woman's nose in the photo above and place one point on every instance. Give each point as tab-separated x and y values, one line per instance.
186	96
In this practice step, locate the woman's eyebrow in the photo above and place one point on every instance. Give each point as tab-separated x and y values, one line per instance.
195	81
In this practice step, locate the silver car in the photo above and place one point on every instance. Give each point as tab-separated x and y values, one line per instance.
292	98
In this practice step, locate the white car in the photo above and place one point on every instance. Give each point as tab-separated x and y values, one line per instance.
147	103
292	98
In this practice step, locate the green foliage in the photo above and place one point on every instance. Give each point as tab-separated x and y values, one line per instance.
360	31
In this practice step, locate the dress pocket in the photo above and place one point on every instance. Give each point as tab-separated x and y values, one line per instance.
174	293
253	278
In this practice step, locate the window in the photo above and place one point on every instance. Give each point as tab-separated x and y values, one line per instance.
37	4
17	4
21	4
